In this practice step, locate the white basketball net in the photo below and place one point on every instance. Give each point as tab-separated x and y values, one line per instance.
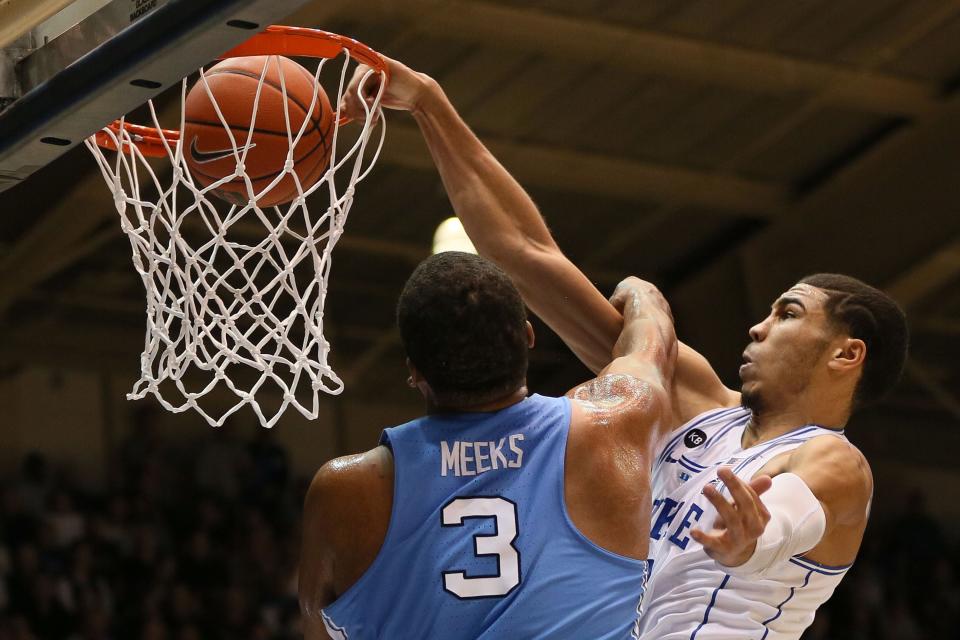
235	294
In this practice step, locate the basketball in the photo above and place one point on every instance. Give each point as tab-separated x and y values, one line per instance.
209	152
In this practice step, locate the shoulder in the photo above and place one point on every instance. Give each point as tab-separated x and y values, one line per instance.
620	394
831	453
837	473
337	483
620	406
345	516
347	489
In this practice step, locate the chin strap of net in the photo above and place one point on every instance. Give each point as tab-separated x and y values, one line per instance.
235	293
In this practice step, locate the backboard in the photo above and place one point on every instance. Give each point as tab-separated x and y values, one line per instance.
67	68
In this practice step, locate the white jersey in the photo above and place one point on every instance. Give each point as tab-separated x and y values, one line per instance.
689	596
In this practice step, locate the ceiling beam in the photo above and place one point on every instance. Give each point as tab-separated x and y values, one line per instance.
946	398
934	14
926	277
101	337
611	177
931	274
410	253
68	233
380	346
648	52
937	325
873	219
254	231
80	344
389	339
53	242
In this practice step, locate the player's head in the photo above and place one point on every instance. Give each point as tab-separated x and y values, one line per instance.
829	336
464	328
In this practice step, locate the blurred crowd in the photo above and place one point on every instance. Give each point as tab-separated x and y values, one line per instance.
189	543
201	542
904	584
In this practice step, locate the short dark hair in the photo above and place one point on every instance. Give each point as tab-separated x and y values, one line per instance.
463	326
868	314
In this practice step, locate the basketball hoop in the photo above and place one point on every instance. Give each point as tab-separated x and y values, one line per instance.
236	291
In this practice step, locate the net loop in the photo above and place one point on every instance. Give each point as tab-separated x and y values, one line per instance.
235	292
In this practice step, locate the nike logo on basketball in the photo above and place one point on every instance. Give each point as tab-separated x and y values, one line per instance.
202	157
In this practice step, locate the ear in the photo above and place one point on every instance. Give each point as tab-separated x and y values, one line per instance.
531	339
414	378
848	355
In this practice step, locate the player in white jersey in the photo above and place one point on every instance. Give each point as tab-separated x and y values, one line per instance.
727	564
689	595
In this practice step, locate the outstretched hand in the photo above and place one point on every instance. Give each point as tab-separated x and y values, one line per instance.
739	523
403	91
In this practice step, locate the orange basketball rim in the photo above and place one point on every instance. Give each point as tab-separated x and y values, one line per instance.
274	40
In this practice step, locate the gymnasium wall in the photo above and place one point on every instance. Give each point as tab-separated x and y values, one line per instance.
77	418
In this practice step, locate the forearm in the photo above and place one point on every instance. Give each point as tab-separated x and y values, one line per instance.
496	212
505	226
797	523
648	338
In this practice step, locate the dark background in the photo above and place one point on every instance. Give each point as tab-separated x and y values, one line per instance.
721	149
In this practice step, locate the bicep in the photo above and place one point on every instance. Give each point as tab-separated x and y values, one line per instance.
697	387
569	303
564	298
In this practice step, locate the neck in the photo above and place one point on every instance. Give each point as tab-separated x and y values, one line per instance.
773	423
512	398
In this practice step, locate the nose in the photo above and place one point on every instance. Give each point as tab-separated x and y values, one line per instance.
759	331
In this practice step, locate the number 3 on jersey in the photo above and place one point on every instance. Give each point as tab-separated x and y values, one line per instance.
500	544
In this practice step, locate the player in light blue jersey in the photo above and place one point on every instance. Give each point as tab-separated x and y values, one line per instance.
728	563
497	515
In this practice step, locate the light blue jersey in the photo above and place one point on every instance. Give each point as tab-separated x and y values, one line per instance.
480	544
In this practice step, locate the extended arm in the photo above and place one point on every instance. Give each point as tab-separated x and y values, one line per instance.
504	224
839	477
816	507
